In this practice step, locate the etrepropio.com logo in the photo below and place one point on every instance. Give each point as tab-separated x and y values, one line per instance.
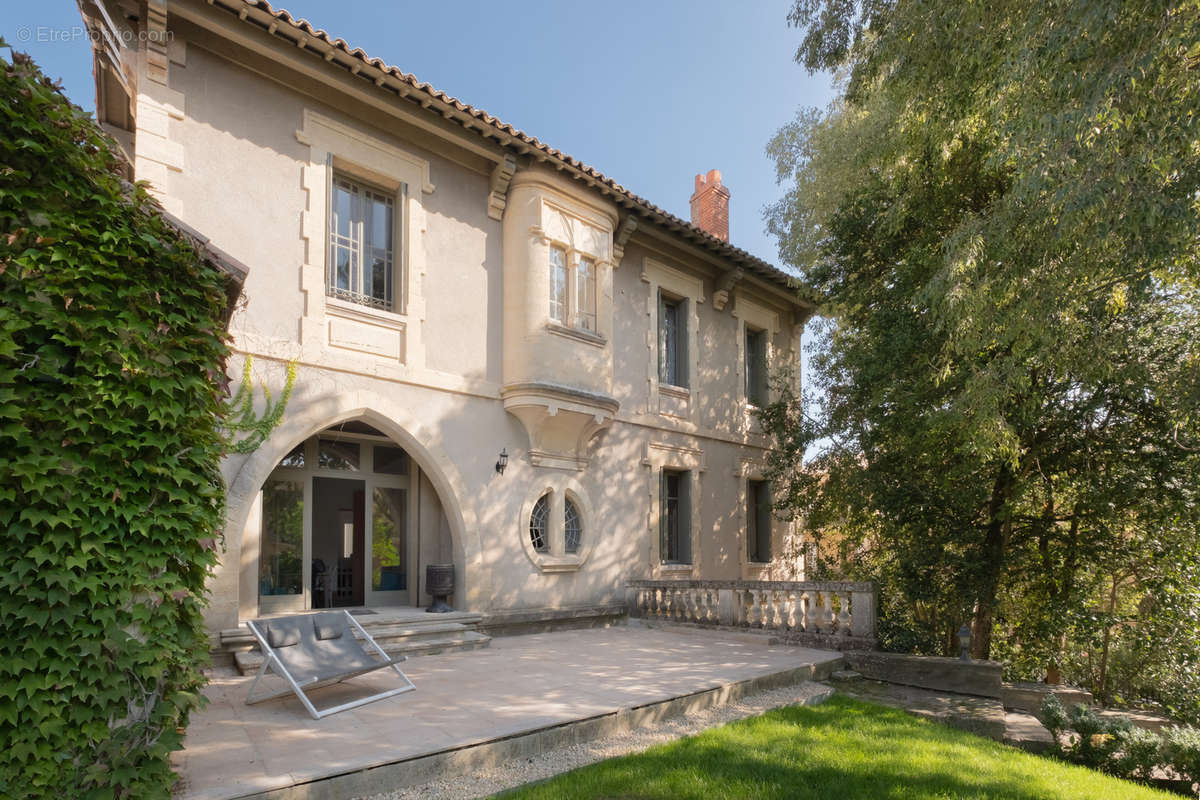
48	34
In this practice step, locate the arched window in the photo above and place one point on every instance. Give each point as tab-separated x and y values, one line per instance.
572	526
539	534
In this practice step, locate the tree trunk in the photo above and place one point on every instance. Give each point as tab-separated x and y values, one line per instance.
1102	679
993	565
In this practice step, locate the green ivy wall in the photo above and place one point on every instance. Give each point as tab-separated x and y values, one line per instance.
112	348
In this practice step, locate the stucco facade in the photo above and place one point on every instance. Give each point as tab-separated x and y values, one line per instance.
240	131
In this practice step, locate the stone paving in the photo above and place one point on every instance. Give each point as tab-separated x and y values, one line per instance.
519	684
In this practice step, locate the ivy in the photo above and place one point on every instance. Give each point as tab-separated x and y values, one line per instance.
112	350
241	420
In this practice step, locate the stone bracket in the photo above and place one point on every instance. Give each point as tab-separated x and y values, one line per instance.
560	422
498	185
628	226
725	286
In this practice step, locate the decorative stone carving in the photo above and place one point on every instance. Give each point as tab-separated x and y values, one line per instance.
628	226
725	286
501	176
560	421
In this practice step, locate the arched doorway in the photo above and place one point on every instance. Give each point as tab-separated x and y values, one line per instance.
347	518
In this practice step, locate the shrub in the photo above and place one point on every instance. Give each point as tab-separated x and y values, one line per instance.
1139	751
1181	748
112	351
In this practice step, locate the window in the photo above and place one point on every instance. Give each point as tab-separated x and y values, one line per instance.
672	341
337	455
675	518
539	534
572	290
361	245
572	527
585	295
558	285
758	521
556	522
756	366
390	460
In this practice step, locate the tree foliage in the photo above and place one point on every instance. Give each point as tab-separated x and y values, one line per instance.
112	348
1002	214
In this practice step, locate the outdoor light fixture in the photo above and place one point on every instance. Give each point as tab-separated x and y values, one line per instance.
964	639
502	462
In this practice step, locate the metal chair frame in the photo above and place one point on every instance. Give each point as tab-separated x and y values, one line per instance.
272	662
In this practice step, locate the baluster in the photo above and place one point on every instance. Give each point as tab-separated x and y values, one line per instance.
793	600
691	606
844	616
772	609
827	615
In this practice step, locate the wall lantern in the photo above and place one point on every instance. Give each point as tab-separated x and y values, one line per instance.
502	462
964	641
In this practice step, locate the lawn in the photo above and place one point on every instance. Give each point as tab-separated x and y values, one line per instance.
842	748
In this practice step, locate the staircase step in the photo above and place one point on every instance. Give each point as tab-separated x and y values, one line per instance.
248	661
383	624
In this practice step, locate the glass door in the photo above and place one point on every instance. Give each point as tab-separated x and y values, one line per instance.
282	552
390	516
338	524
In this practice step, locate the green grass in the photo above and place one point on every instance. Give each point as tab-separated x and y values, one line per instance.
840	749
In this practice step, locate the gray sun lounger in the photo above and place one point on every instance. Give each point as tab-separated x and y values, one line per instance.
318	650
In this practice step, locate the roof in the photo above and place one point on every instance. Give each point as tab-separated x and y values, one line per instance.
305	36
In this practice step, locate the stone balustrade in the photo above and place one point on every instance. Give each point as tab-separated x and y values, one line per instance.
835	614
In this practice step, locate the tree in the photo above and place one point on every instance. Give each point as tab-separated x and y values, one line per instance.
1001	212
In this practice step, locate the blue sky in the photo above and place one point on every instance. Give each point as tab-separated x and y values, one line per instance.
650	93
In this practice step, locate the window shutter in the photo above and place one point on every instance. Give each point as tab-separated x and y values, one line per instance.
681	343
400	242
751	522
330	278
663	517
664	374
763	526
685	518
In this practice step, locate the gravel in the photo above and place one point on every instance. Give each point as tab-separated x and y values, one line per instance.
517	772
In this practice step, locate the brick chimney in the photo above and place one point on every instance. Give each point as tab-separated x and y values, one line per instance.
710	205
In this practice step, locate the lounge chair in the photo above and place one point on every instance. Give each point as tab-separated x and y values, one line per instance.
318	650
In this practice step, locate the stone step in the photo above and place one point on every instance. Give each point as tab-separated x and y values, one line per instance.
385	624
248	661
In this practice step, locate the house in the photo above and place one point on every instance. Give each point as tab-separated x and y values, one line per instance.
505	361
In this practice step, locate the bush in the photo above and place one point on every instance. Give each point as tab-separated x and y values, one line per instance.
112	351
1181	748
1139	751
1113	744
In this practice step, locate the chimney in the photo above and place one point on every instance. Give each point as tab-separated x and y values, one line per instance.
710	205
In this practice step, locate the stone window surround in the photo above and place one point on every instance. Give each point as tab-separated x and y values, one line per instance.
348	150
754	469
571	261
662	398
575	216
559	488
664	456
751	314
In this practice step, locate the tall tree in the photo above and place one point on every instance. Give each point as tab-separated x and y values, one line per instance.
1002	212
